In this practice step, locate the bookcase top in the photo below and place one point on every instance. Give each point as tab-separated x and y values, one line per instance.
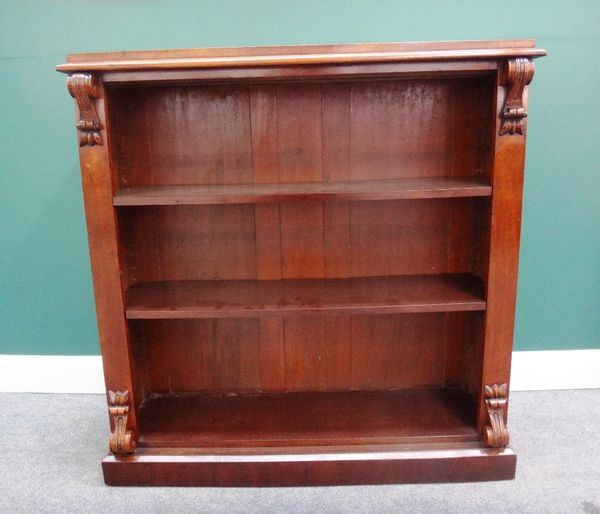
241	57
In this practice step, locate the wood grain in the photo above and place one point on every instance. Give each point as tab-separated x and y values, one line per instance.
401	189
505	235
318	353
398	351
329	239
313	467
324	73
301	55
99	182
299	133
189	242
305	419
250	298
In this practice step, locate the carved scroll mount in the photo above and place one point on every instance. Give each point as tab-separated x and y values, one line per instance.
121	440
84	88
496	400
519	73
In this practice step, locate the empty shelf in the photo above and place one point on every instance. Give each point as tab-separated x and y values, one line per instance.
410	416
437	187
252	298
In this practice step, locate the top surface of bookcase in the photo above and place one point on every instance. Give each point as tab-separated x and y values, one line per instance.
301	55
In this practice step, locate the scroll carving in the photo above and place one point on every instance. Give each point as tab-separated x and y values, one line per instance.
121	440
496	401
83	87
519	73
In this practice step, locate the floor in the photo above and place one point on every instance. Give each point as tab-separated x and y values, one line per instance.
51	447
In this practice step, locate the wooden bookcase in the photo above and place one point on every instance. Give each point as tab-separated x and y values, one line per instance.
305	258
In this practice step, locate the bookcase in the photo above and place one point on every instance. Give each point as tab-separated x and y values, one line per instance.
305	258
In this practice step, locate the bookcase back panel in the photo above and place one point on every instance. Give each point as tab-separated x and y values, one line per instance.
317	353
301	132
188	242
302	240
464	350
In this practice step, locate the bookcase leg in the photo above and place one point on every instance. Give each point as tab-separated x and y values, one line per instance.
496	401
121	440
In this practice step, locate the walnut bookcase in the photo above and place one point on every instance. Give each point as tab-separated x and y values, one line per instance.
305	258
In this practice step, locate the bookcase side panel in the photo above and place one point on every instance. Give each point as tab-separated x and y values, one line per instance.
98	189
506	208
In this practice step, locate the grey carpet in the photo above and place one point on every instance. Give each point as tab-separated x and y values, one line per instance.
51	447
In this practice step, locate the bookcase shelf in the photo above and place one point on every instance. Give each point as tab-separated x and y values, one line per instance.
253	298
308	419
403	189
305	259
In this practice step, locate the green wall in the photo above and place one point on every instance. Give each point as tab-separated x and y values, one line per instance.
46	304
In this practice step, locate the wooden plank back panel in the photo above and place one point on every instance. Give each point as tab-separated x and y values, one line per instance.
468	236
320	353
335	127
472	121
301	132
300	150
184	135
201	355
464	351
392	352
265	165
390	122
299	139
316	357
337	240
297	240
264	127
398	238
302	248
272	355
190	242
